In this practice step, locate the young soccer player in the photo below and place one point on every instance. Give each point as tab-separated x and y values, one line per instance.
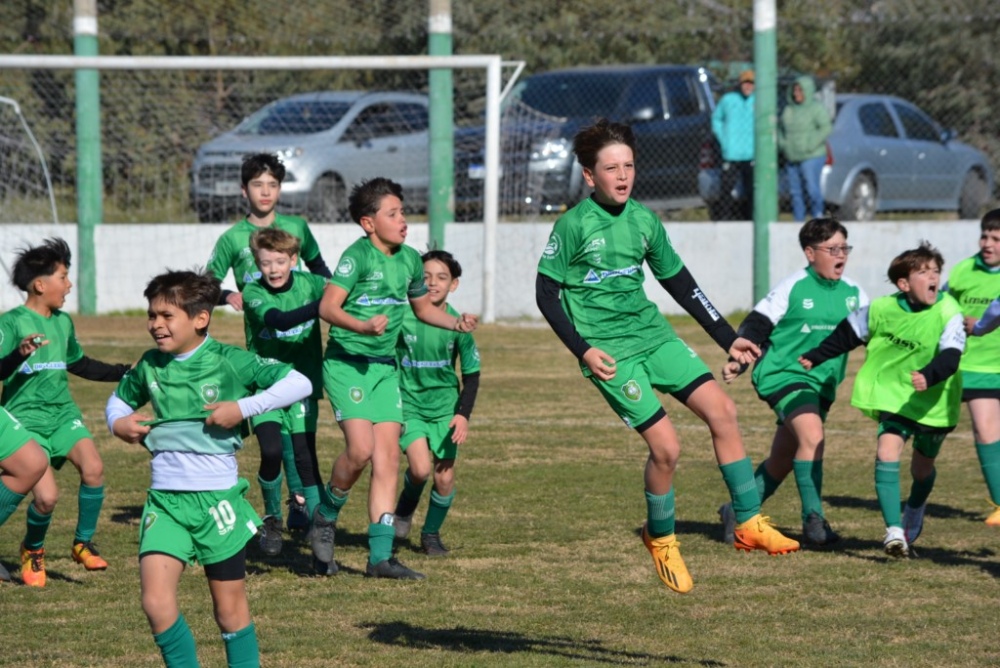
22	459
975	282
282	311
376	281
589	289
908	382
436	414
795	317
200	391
36	392
261	175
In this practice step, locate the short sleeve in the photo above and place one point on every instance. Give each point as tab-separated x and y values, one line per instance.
9	336
310	248
219	262
558	251
663	260
349	268
74	351
469	353
131	388
417	287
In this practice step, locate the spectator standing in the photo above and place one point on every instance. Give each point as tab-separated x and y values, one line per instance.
733	126
802	132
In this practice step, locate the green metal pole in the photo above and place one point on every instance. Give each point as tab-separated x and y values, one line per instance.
765	173
88	153
441	194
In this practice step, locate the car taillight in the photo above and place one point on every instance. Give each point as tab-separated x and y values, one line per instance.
707	156
829	155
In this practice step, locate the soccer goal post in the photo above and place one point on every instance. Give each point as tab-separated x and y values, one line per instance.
230	95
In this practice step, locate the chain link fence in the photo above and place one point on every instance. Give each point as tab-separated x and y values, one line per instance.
172	141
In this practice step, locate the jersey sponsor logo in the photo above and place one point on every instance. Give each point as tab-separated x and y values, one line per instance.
598	276
901	342
632	391
251	276
346	267
966	299
77	424
410	338
255	303
374	276
806	329
28	369
700	296
267	334
421	364
210	392
552	248
365	300
808	304
852	303
356	394
245	252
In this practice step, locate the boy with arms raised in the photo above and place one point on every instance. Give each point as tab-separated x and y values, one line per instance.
22	459
282	311
975	282
436	413
590	290
200	391
377	279
795	317
261	175
908	382
36	392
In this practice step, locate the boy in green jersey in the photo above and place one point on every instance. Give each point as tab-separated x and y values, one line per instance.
22	459
908	382
975	282
436	414
795	316
590	290
282	311
200	392
261	175
378	278
36	392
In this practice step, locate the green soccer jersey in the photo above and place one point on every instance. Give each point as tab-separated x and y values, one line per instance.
597	258
376	284
901	341
427	357
232	250
804	308
178	389
975	284
302	345
37	394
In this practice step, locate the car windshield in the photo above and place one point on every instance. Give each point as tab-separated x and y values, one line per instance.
574	96
294	117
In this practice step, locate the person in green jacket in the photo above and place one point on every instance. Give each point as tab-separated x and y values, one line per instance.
805	125
909	382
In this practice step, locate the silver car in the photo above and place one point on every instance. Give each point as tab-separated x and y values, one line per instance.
329	142
885	154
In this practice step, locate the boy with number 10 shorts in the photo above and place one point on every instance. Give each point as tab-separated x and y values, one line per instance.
200	391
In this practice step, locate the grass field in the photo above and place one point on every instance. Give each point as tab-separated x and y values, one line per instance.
547	567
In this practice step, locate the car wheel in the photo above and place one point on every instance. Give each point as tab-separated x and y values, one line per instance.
861	200
973	196
328	201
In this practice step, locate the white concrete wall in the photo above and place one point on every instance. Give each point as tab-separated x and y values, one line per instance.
720	255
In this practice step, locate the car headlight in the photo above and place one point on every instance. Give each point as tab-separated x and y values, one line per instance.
551	149
288	153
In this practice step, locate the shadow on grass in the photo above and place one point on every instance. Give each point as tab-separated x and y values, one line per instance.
127	515
466	640
933	509
296	554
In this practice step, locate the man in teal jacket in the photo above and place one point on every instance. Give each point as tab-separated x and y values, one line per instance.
805	125
733	126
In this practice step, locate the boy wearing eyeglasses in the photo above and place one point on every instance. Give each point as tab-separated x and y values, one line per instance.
908	383
795	316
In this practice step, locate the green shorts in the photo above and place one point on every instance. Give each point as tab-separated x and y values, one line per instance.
207	527
437	433
787	401
59	438
302	417
12	435
979	385
926	440
670	368
363	390
277	415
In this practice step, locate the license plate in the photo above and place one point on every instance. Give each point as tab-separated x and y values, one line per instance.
226	188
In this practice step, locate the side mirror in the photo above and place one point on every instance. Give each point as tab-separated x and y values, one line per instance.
948	135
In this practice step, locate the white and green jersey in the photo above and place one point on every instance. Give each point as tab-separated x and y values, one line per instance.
178	388
302	345
232	249
376	284
427	361
37	393
975	285
803	309
901	341
597	258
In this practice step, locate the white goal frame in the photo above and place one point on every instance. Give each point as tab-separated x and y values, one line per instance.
491	63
